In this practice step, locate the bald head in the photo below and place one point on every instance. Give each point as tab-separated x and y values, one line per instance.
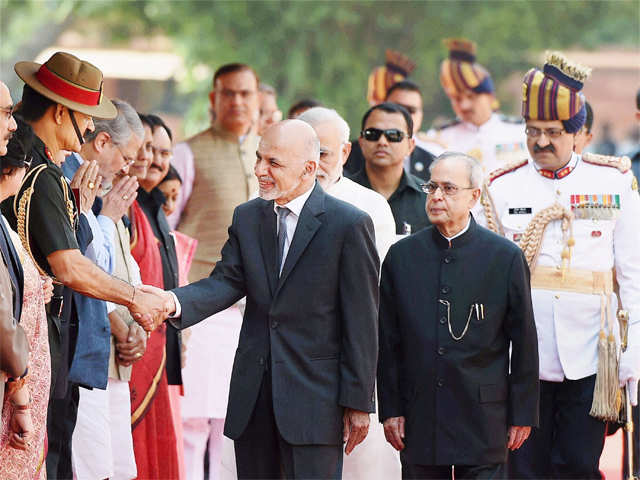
287	159
296	135
7	122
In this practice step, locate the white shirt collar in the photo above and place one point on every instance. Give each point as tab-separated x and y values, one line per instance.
460	232
297	203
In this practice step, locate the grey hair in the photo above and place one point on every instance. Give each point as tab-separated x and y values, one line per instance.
120	128
476	174
317	115
313	145
266	88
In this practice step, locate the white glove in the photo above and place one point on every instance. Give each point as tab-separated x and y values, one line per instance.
630	372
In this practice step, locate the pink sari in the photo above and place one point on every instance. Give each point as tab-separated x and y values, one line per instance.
29	464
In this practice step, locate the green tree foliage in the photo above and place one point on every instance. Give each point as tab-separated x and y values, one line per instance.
326	50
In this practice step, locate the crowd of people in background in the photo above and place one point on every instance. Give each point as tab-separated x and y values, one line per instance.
99	199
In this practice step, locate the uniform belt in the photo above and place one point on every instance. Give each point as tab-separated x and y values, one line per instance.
575	280
55	306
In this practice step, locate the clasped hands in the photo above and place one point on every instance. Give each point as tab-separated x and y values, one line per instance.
151	306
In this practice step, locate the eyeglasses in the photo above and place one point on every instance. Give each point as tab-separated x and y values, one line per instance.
392	134
9	111
534	132
128	160
449	189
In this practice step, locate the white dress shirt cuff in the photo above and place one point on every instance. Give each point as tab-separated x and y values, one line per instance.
178	312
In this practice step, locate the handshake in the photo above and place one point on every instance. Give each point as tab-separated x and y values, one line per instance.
151	306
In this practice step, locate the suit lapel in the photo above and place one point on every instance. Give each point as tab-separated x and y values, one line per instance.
306	229
268	237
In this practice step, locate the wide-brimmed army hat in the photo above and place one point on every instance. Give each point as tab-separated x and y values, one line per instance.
69	81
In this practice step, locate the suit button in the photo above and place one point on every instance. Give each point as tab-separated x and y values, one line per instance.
448	259
443	320
274	324
440	382
441	351
261	360
445	289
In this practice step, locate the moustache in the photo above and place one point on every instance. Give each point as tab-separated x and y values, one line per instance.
549	148
265	178
155	165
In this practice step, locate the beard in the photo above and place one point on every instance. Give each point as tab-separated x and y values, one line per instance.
275	193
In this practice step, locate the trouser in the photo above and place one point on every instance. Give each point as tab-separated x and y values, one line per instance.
197	432
92	454
440	472
262	453
569	442
61	421
124	460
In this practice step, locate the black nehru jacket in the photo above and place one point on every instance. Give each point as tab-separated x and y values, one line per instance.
458	397
407	202
151	204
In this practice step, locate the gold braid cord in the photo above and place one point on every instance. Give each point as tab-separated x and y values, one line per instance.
489	210
21	208
531	239
486	201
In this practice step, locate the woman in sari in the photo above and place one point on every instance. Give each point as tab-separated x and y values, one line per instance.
25	461
155	439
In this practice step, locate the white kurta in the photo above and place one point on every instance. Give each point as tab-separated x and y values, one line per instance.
372	203
568	323
494	143
209	360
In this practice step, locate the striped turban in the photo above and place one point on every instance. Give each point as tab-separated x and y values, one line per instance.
461	72
555	92
397	68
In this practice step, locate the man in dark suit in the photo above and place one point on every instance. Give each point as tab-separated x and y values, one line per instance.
304	372
454	298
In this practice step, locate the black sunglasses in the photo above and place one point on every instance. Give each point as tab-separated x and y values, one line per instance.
392	134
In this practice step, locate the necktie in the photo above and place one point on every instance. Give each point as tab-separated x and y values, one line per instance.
283	212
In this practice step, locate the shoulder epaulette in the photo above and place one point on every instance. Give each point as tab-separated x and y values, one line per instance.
452	123
621	163
511	167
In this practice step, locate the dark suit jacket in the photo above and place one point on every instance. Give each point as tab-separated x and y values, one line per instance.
314	328
458	397
419	161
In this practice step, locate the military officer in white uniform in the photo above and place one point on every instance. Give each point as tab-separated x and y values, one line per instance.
479	131
577	218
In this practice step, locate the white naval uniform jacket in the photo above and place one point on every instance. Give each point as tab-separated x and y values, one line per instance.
568	323
494	144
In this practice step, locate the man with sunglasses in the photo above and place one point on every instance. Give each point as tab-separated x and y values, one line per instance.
454	301
385	141
406	94
577	219
479	130
60	99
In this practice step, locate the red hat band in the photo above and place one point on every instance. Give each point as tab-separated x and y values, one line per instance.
67	90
